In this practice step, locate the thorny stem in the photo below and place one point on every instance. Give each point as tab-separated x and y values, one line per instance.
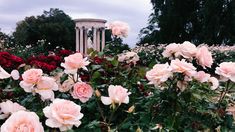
100	110
121	123
224	92
113	111
173	123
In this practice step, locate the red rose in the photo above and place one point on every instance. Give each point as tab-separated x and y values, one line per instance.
98	60
17	59
64	52
5	54
42	57
85	78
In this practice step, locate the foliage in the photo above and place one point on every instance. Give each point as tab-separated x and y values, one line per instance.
165	107
28	50
115	46
198	21
150	54
53	26
6	41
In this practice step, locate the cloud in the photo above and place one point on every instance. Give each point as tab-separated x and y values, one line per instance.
134	12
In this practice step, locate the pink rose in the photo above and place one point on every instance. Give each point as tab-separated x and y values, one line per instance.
66	85
117	94
82	91
183	67
171	50
201	76
188	50
4	74
226	71
74	62
15	74
32	76
39	84
45	88
215	83
22	121
159	74
63	114
204	57
119	29
8	107
116	31
128	57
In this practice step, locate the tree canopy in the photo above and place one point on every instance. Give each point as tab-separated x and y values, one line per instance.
199	21
54	26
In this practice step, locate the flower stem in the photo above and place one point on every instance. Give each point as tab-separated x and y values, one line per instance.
112	114
224	92
100	110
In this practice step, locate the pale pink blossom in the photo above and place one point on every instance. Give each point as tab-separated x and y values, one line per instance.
74	62
82	91
22	121
128	57
15	74
117	94
45	88
66	85
159	74
32	76
119	29
63	114
215	83
226	71
172	49
201	76
181	66
4	74
188	50
34	82
204	57
8	107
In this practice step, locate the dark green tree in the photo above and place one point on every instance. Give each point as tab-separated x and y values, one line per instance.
6	40
199	21
54	26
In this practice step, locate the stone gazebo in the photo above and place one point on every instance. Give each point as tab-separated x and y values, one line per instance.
90	33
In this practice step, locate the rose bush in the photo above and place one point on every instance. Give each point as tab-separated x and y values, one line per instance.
181	89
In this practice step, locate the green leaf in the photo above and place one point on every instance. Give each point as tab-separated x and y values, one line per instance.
95	67
114	62
229	120
93	124
96	75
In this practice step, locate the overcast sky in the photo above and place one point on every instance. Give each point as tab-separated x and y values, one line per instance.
134	12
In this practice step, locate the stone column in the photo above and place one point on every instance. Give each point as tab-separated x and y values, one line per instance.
77	39
103	38
81	41
94	38
98	40
85	43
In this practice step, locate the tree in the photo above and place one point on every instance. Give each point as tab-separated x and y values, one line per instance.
199	21
6	41
54	26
